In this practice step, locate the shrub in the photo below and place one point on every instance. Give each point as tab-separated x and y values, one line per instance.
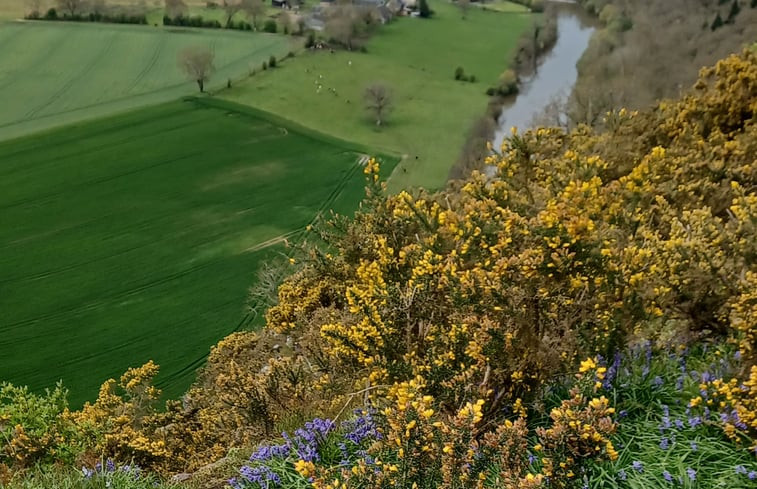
459	73
270	26
51	14
35	429
272	62
265	66
310	41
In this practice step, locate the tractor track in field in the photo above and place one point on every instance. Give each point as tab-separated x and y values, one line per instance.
151	64
70	83
36	61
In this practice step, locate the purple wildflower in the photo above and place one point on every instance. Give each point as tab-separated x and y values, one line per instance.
695	421
752	475
666	475
657	381
691	473
86	472
622	475
694	446
664	443
679	424
740	470
637	466
110	466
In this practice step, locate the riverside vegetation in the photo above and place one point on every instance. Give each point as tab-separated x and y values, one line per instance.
584	318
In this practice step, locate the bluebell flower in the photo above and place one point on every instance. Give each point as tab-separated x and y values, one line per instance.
752	475
657	381
86	472
622	475
664	443
691	473
740	470
637	466
694	446
679	424
695	421
666	475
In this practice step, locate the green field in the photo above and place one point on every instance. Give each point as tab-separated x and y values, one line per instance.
53	73
136	237
417	59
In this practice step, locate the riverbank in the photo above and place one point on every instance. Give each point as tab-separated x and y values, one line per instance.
551	76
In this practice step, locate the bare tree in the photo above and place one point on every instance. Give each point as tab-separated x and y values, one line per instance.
176	8
231	7
98	6
343	24
378	101
197	63
254	10
464	6
33	8
71	7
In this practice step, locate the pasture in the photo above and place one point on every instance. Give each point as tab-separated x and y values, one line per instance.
54	73
136	237
417	58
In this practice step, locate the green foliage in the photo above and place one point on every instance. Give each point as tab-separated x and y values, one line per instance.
660	432
424	10
272	62
35	429
66	478
270	26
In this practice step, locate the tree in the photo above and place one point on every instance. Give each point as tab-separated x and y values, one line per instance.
197	64
176	8
98	7
71	7
735	9
424	10
717	23
464	6
33	8
231	7
343	25
378	101
254	10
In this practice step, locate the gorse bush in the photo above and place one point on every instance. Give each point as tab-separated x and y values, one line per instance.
458	312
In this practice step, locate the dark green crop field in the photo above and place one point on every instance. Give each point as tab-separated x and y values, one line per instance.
136	237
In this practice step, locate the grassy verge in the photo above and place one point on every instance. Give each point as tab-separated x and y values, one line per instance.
417	59
136	237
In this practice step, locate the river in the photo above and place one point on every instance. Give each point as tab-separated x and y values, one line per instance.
556	71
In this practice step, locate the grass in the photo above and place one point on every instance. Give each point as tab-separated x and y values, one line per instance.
417	59
54	73
136	237
659	435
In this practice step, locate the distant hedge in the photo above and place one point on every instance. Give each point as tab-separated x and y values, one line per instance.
121	18
198	21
